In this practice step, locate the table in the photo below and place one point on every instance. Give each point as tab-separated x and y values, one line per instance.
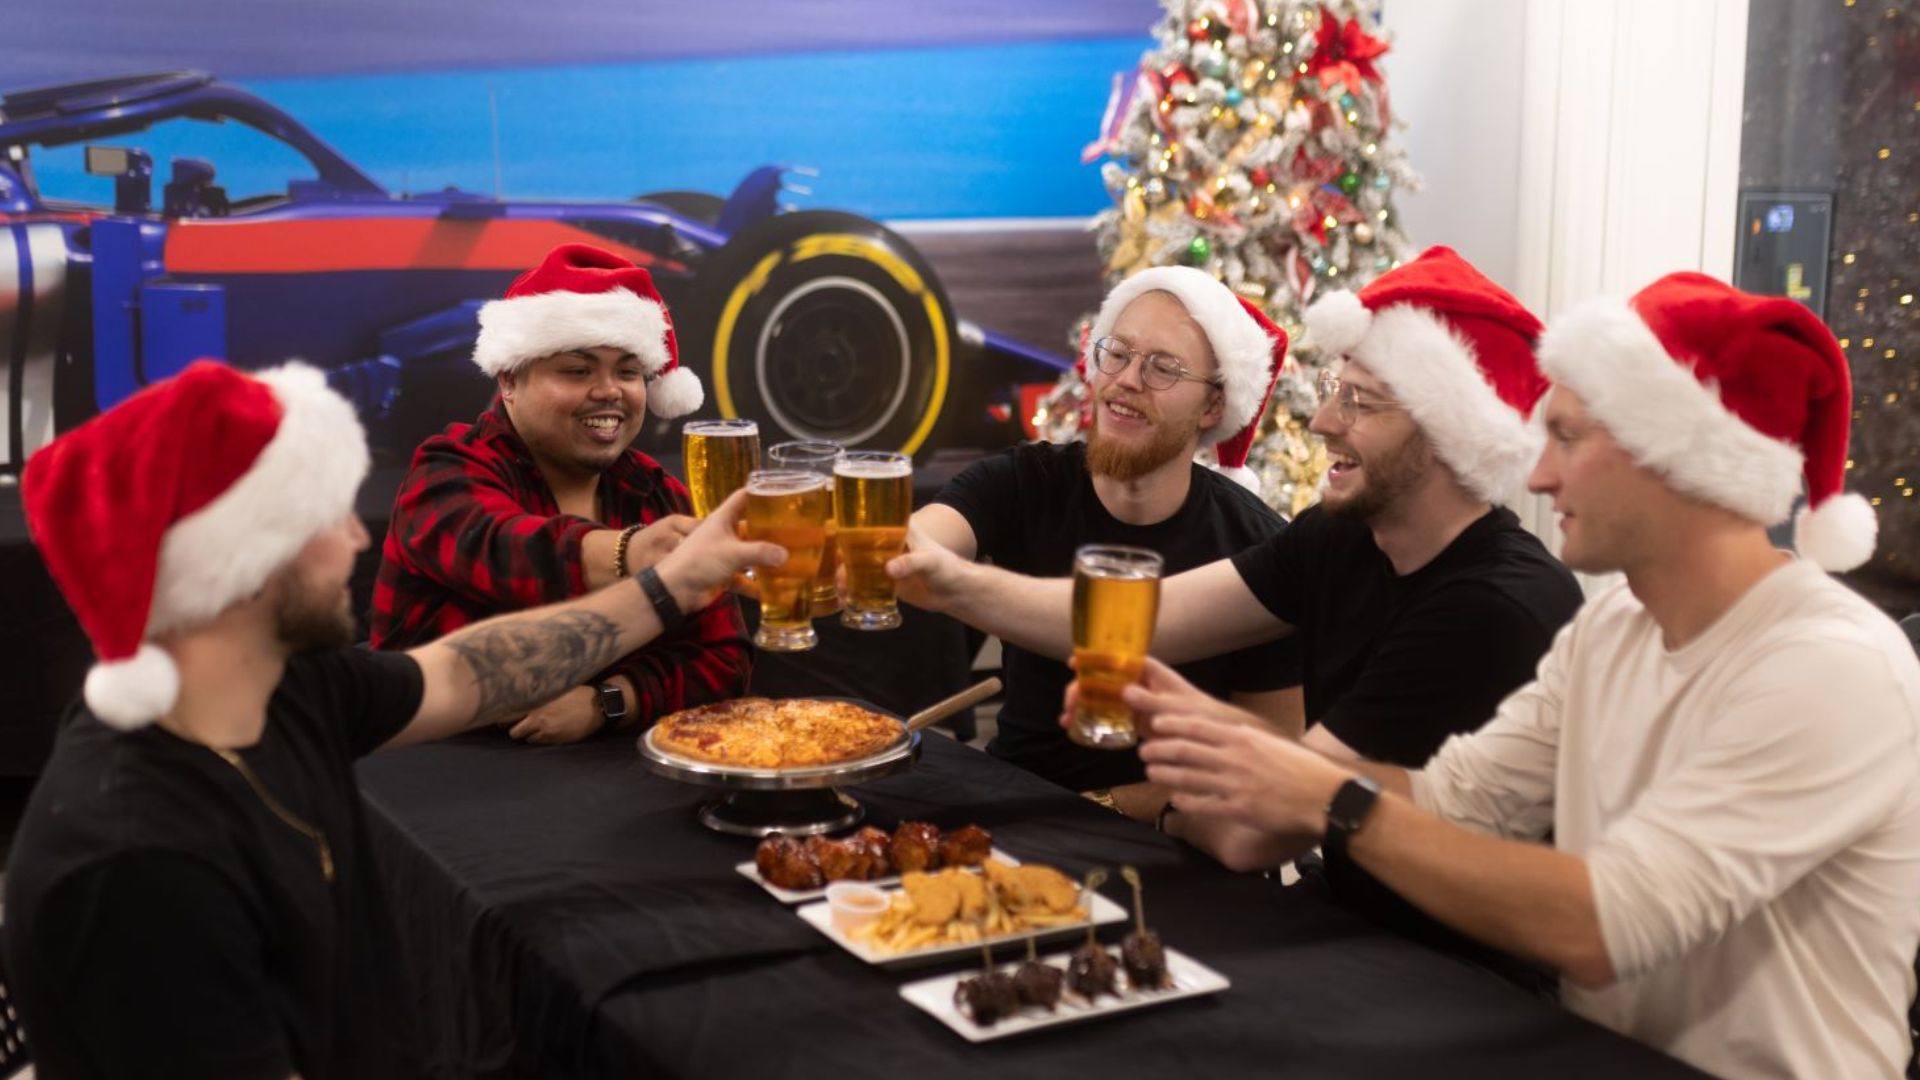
565	915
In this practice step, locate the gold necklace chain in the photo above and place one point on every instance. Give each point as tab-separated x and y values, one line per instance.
319	838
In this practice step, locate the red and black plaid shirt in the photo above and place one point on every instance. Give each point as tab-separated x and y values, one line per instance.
476	533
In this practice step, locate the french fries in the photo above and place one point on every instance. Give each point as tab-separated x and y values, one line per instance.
1016	901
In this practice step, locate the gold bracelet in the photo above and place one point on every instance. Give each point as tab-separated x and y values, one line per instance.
620	549
1102	797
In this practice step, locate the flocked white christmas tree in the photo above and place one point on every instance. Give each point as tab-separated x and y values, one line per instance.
1254	142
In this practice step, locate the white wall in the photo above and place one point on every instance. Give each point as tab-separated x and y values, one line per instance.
1456	75
1571	146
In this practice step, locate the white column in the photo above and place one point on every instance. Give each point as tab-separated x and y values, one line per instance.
1629	151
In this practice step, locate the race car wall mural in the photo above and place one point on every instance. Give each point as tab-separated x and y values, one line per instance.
816	323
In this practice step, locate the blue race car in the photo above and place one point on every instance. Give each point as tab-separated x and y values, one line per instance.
815	323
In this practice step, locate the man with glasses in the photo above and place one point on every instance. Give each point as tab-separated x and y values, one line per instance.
1419	601
543	497
1176	363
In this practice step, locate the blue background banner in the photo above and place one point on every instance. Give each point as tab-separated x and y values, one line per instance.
975	110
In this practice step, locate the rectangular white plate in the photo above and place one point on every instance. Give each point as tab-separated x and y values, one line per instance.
934	996
820	917
751	871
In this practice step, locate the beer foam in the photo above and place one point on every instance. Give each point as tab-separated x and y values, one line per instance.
783	482
872	470
1118	571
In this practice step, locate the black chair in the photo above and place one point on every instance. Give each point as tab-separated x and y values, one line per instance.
13	1041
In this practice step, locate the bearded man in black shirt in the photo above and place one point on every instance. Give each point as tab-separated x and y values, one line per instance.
190	892
1419	602
1176	362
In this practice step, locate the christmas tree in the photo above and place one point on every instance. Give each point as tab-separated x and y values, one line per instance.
1254	142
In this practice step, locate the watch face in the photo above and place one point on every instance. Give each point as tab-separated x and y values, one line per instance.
612	705
1351	804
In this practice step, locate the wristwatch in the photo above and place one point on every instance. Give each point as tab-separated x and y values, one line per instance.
1349	809
613	706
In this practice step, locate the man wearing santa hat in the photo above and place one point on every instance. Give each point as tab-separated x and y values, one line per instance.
1419	603
543	496
1175	362
1724	749
190	891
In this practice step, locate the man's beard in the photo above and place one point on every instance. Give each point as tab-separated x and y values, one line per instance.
308	618
1390	476
1112	458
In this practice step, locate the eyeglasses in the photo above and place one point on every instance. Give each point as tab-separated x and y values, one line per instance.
1158	370
1347	401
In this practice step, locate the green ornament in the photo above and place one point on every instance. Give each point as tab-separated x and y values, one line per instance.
1349	182
1199	250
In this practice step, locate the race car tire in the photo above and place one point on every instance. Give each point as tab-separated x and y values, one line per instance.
824	325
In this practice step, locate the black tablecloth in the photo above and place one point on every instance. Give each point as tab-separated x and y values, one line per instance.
566	915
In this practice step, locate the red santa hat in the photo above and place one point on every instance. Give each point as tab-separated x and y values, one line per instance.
1734	398
581	297
1457	350
1248	350
164	510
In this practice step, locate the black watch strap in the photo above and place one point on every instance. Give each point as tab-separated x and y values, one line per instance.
1349	809
613	706
664	605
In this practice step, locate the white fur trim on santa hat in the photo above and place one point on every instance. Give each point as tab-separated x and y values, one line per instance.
1838	534
675	394
1241	348
1434	372
1337	322
303	483
521	329
134	692
1241	475
1665	418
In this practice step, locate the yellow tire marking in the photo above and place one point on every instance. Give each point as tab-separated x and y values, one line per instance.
729	315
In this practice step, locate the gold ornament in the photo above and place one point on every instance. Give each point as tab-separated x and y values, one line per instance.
1362	233
1293	460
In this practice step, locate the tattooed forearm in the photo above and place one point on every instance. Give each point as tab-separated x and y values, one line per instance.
522	663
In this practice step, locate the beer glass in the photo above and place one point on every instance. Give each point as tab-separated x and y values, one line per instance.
787	507
719	455
816	456
872	496
1116	595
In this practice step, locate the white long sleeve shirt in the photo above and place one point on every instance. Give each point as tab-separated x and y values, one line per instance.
1749	810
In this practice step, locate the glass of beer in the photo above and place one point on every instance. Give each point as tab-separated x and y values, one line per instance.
1116	596
872	498
719	455
816	456
787	507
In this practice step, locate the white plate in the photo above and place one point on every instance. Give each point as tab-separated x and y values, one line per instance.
751	871
934	996
820	916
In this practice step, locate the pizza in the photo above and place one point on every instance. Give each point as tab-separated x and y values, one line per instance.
762	733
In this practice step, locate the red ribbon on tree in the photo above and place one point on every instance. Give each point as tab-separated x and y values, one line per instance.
1344	53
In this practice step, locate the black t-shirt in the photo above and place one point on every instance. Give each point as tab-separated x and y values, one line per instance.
162	920
1029	509
1395	665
